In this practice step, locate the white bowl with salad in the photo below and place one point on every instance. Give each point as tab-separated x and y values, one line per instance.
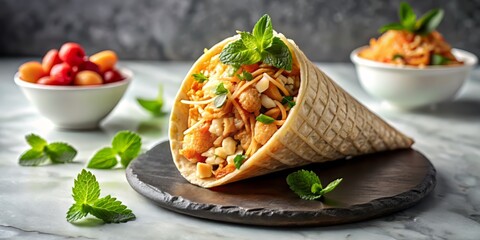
410	65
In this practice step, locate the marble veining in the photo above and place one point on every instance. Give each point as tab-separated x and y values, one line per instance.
34	200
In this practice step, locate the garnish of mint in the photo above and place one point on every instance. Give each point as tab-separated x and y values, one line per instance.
41	151
408	21
199	77
126	146
307	185
260	45
86	193
154	106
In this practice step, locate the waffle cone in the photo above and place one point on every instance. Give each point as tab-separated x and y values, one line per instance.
326	124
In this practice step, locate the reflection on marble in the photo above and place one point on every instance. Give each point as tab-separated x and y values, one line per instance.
33	201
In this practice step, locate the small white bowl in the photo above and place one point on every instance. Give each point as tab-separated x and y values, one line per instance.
407	87
75	107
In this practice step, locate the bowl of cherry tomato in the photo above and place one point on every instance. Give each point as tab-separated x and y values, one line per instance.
71	89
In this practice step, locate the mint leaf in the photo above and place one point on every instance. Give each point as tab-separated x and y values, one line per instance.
278	55
76	212
32	157
60	152
261	45
263	32
307	185
86	193
331	186
265	119
407	16
429	22
200	77
36	142
127	144
301	183
154	106
316	188
220	100
86	189
41	151
391	26
236	53
105	158
110	210
221	89
248	40
238	160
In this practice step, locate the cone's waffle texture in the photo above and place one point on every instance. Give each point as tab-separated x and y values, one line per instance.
325	124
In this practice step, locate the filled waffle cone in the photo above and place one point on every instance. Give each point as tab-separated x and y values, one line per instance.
326	124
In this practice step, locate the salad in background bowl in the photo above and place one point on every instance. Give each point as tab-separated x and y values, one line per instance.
411	65
71	89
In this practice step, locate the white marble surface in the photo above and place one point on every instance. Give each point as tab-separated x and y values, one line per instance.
34	200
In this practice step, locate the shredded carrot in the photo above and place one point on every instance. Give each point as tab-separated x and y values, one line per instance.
246	85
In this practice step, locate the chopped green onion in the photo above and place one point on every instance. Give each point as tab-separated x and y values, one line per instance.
200	77
238	161
397	56
438	59
265	119
289	101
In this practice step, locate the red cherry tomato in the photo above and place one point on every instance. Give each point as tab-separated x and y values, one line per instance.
87	65
72	53
50	59
111	76
62	74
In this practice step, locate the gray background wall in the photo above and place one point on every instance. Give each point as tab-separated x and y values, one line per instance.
181	29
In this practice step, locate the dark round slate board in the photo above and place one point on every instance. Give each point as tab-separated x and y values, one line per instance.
373	185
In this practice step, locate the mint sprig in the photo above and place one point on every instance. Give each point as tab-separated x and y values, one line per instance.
86	193
408	21
260	45
238	160
308	186
200	77
154	106
41	151
126	146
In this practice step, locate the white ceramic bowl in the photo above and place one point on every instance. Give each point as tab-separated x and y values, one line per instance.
75	107
406	87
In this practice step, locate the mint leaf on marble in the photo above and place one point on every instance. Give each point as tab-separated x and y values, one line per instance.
307	185
105	158
110	210
60	152
35	141
126	146
32	157
86	193
41	151
154	106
